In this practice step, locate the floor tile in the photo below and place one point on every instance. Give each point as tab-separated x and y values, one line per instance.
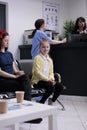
74	117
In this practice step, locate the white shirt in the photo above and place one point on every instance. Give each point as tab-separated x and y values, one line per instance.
46	65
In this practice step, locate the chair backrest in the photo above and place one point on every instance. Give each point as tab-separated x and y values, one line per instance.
26	65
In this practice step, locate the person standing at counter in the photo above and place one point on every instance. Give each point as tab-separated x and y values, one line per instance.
80	26
38	34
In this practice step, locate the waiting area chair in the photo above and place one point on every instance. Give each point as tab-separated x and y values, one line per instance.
26	65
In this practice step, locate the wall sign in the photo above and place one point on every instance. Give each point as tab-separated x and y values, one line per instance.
51	15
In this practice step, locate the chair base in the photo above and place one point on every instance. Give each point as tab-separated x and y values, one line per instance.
7	95
63	108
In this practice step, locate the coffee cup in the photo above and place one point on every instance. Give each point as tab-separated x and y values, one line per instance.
3	106
19	96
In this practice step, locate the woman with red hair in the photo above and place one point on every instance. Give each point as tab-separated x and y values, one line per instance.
11	79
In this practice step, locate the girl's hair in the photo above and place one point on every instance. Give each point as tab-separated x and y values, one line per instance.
38	24
3	34
80	19
43	40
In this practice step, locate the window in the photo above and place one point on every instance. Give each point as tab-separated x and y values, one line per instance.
2	15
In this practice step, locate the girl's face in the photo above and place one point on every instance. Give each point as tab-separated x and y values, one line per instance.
44	27
81	24
5	41
45	48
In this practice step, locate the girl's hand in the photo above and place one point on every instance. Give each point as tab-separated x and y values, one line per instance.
52	81
64	40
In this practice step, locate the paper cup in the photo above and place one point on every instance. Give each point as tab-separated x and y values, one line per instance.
19	96
3	106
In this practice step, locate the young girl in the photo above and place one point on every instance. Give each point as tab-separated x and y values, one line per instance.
38	34
11	79
43	76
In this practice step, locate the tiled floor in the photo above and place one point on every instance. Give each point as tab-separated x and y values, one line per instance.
73	118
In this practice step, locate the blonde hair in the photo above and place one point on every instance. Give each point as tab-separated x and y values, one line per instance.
44	40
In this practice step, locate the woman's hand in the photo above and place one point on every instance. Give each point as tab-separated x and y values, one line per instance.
82	32
20	73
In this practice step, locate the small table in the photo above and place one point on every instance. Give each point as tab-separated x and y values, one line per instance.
18	113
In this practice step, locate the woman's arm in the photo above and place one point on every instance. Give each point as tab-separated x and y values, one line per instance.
59	42
7	75
13	76
44	35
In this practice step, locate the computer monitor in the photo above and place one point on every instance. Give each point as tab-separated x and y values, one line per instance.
83	38
77	38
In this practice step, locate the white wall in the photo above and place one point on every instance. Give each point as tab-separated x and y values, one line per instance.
21	16
23	13
72	9
76	8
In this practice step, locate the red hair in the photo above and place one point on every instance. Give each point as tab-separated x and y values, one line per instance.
3	33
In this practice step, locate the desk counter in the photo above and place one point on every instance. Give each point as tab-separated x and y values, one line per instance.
70	60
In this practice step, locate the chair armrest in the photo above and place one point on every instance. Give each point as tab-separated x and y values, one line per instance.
57	77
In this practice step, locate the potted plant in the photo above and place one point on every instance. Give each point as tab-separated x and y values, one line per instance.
68	27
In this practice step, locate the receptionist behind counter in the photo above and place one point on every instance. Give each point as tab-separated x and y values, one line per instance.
80	26
79	33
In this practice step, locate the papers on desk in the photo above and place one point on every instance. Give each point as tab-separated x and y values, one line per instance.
18	106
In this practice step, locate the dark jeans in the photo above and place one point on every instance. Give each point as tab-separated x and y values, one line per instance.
49	89
20	84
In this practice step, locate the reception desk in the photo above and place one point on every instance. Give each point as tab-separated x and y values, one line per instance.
70	60
25	51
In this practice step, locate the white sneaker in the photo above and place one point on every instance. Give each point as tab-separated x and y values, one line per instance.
50	102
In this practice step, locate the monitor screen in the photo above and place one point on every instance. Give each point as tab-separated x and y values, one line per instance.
77	38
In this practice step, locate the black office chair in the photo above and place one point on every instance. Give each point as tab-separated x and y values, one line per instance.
38	92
